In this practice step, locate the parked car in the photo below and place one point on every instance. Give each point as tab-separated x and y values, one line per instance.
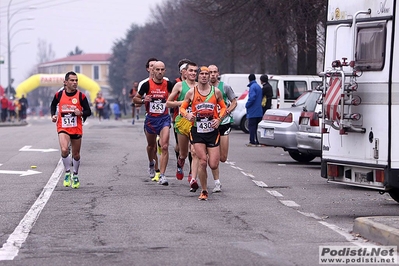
309	134
238	83
286	89
278	127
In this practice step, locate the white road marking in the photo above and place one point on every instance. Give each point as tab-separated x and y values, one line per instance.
28	148
259	183
246	174
275	193
311	215
20	173
289	203
14	242
349	237
281	164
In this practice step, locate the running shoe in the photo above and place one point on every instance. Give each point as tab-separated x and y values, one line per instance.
180	162
75	181
151	169
159	149
203	195
156	176
179	173
67	179
133	122
217	188
193	185
163	181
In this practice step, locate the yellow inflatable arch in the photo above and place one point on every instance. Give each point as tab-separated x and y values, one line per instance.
54	80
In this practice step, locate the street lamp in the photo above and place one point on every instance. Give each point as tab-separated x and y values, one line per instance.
9	37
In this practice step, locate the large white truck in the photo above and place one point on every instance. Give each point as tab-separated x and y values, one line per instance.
360	140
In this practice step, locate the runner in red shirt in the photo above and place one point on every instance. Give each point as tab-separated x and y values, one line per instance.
72	107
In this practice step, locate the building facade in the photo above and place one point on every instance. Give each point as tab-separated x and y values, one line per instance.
94	66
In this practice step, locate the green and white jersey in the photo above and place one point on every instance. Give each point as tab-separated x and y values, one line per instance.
228	96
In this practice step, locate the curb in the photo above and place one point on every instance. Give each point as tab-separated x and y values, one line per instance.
378	229
10	124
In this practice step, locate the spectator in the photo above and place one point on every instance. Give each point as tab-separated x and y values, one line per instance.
4	108
17	109
254	109
117	110
267	93
11	110
23	107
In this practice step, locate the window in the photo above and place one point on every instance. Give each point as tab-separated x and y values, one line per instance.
76	69
96	72
315	84
293	89
370	46
273	83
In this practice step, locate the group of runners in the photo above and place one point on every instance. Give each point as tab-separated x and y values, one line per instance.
200	107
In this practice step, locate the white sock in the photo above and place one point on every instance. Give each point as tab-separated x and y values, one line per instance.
217	182
76	166
67	163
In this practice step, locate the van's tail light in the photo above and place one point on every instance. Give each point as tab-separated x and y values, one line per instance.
335	170
243	95
379	176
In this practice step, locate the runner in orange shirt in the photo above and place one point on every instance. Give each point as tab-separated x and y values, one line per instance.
99	103
72	107
204	135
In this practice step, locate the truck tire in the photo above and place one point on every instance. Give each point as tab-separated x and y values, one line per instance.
394	193
244	125
301	157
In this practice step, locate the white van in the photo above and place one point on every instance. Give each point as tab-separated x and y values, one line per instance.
286	89
238	82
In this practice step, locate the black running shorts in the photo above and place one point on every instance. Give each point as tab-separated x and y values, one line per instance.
211	139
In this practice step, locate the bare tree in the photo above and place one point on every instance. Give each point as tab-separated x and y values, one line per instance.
45	51
42	96
260	36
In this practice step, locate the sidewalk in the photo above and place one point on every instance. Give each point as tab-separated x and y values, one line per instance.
380	229
13	124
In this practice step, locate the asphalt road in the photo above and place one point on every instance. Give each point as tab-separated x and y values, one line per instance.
272	210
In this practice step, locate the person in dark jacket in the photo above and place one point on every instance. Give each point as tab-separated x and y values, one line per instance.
254	109
267	93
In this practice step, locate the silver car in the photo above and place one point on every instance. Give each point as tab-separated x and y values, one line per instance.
309	134
286	89
279	126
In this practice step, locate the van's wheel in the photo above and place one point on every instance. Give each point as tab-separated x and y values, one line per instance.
300	157
244	125
394	193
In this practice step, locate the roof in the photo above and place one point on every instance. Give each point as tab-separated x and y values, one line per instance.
81	58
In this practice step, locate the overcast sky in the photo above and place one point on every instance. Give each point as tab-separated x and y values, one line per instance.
93	25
